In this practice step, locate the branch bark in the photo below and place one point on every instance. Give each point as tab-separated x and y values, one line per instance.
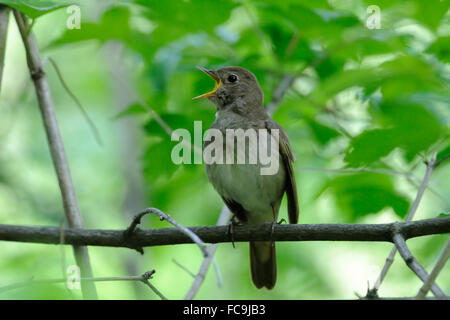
413	264
219	234
445	255
57	151
285	84
412	211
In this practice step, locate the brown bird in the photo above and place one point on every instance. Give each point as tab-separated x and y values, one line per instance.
252	197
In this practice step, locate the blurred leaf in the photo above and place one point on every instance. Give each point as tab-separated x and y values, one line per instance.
133	109
321	132
157	160
415	127
408	126
177	18
340	81
329	66
360	194
406	75
443	153
36	8
370	146
288	44
441	48
431	12
114	24
174	121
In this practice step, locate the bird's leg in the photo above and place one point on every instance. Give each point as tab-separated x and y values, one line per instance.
233	222
274	223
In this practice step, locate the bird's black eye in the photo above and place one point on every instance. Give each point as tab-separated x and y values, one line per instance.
232	78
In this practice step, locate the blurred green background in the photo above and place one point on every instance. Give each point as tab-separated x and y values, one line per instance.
367	107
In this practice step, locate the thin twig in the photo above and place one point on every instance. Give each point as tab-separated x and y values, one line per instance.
189	272
57	151
413	264
164	216
77	102
284	85
141	278
4	21
437	163
224	217
409	217
442	260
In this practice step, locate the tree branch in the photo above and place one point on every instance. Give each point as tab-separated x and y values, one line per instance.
56	145
164	216
285	84
409	217
219	234
445	255
413	264
224	216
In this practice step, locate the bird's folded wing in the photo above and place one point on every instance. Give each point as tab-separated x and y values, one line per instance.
288	157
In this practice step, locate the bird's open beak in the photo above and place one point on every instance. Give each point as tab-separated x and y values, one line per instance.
213	75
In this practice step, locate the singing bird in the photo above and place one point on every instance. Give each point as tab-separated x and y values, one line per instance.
253	198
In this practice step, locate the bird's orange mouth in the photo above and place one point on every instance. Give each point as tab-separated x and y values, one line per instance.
216	79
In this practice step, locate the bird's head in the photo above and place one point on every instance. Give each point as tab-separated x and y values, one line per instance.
235	88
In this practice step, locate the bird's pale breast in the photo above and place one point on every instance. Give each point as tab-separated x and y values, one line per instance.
260	195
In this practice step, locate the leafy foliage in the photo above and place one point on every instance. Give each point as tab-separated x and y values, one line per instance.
35	8
364	193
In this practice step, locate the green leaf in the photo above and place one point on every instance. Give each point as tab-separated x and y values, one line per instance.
360	194
321	132
441	48
35	8
340	81
286	44
408	126
174	121
443	153
407	75
370	146
176	18
114	24
157	160
415	128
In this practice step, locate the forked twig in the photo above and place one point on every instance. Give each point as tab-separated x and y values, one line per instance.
409	217
413	264
442	260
